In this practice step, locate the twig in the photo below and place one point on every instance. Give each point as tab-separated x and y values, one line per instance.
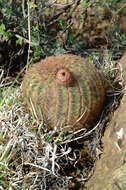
2	73
29	35
23	9
34	111
53	159
55	18
37	166
7	149
27	40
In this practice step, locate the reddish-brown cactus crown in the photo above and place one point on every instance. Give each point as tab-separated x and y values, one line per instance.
64	76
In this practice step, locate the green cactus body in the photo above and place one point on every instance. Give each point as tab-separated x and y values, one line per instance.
66	89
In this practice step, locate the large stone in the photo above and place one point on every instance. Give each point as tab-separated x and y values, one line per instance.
110	169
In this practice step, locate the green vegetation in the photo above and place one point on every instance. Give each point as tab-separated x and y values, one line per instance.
32	25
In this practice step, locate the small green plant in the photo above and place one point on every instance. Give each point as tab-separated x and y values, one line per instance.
3	179
5	35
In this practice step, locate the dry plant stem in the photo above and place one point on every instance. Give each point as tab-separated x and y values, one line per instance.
52	2
34	110
120	80
4	85
23	9
80	117
55	18
1	74
74	7
26	40
37	166
53	159
29	29
83	135
49	5
7	149
119	10
29	35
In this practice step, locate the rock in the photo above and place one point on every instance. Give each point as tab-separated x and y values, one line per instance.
64	90
110	170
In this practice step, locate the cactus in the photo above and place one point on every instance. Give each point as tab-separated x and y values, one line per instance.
64	90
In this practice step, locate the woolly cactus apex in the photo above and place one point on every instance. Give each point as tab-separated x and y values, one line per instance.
64	77
64	90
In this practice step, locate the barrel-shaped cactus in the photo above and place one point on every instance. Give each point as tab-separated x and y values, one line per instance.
66	91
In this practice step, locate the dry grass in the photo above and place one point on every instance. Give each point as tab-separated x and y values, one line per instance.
34	158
